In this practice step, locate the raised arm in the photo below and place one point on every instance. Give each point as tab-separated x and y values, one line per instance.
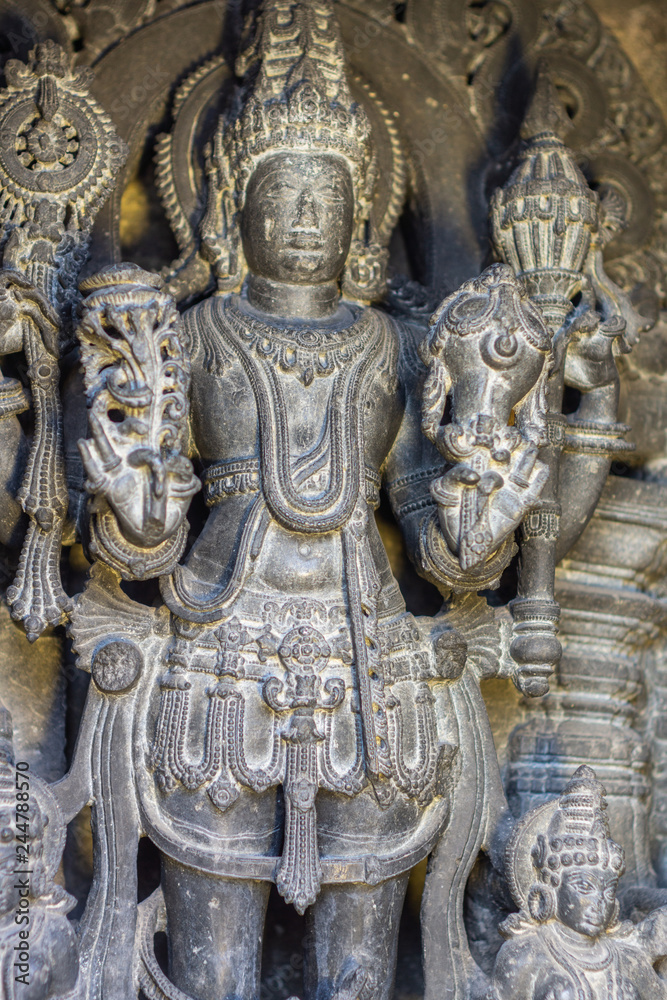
137	379
592	434
651	935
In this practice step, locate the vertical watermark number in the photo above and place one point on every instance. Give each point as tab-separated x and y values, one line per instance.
22	872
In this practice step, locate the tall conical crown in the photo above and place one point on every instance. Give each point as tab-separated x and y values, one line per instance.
579	832
297	94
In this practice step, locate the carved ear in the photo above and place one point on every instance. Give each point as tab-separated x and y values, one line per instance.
539	852
542	903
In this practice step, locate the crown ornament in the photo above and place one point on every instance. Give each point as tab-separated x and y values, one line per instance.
578	833
295	97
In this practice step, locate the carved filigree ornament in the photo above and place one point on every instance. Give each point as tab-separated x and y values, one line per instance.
270	711
58	159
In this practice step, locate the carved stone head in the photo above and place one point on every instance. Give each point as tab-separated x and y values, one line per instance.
562	862
298	219
297	125
493	342
488	346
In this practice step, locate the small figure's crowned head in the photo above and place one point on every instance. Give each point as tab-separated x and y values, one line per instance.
575	863
579	859
297	160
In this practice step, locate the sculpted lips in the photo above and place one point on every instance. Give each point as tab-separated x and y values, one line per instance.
305	241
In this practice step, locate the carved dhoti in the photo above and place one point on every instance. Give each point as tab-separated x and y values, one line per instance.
269	697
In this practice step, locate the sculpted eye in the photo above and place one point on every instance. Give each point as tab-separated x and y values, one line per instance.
280	189
332	194
582	886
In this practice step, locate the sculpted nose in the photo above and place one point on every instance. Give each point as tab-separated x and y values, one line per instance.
306	213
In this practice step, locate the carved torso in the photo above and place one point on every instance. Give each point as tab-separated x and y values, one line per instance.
293	661
323	412
549	963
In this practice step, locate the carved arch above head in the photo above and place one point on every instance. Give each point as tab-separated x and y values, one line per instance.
457	104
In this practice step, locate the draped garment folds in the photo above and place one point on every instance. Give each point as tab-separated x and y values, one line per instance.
293	661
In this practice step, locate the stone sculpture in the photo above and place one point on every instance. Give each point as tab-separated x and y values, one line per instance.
566	940
263	706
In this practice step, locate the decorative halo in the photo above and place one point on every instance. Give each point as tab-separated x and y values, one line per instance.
519	868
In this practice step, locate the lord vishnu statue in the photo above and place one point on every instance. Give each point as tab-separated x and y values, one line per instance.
273	714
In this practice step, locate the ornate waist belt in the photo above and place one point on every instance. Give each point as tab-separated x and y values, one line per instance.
237	477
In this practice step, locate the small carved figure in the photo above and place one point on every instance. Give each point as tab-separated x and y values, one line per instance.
566	942
38	947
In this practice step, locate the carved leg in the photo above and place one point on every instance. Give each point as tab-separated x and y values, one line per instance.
352	941
215	928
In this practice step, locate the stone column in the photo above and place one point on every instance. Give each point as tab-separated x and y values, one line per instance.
611	617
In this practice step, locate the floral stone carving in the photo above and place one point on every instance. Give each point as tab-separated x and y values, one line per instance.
268	709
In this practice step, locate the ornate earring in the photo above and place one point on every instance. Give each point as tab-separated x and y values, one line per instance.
220	232
542	903
365	275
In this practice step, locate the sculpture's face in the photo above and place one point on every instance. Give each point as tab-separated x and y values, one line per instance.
298	218
586	899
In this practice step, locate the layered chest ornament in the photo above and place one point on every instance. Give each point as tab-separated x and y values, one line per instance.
352	359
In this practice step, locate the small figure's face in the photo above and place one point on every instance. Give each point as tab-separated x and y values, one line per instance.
298	218
586	900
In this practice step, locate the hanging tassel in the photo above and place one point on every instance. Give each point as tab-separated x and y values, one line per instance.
36	595
300	873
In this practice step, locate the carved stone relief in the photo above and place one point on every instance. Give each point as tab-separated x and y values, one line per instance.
398	274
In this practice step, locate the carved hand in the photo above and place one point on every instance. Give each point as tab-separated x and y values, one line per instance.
589	361
149	493
20	299
481	502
